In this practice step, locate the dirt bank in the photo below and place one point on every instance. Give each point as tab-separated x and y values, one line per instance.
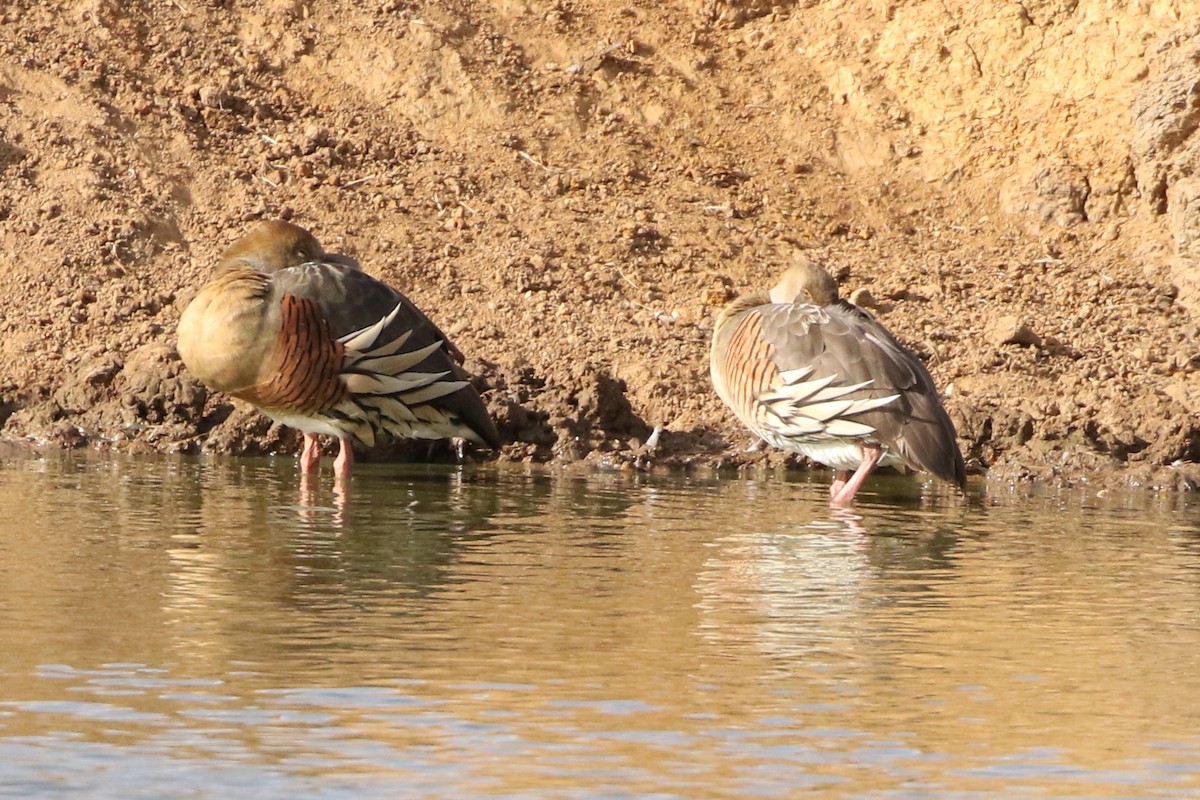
571	188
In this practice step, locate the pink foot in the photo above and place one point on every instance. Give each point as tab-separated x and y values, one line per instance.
872	453
310	455
343	462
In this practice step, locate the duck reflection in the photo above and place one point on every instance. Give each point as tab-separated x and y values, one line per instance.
810	575
375	563
310	511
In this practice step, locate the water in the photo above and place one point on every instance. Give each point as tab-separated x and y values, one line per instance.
203	629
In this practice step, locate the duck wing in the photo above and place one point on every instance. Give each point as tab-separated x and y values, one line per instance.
401	370
840	354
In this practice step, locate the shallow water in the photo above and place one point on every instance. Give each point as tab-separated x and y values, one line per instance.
203	629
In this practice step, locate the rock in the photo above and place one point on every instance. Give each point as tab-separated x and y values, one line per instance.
1050	192
315	137
212	96
863	298
243	430
603	404
155	388
1011	329
1184	393
1166	116
1183	206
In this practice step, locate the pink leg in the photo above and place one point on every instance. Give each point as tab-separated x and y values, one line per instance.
345	458
310	456
871	456
839	480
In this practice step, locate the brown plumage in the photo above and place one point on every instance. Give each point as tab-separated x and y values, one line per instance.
814	374
317	344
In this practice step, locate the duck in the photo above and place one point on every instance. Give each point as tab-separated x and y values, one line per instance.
315	343
811	373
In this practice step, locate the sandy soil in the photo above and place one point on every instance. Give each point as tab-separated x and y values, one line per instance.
572	187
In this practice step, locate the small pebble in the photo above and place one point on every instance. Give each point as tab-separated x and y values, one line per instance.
863	298
1010	329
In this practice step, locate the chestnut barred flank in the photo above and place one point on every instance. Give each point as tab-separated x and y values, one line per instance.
303	370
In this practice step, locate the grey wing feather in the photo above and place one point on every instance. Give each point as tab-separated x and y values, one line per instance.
352	300
845	342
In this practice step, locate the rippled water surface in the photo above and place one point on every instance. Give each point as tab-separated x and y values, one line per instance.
203	629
